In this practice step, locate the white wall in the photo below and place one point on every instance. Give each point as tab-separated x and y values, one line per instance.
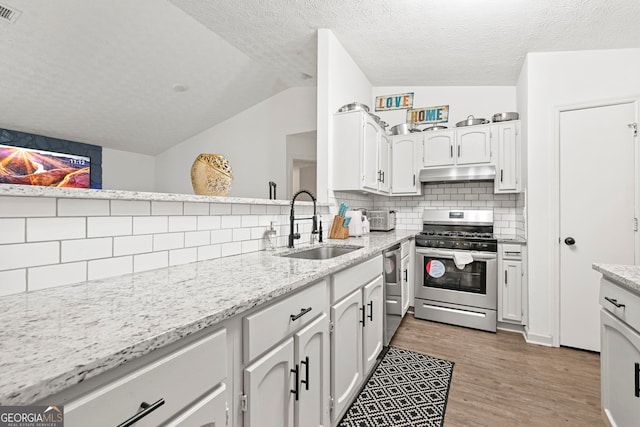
553	80
479	101
340	81
254	142
123	170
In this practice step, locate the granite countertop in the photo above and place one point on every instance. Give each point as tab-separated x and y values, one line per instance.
510	238
626	276
55	338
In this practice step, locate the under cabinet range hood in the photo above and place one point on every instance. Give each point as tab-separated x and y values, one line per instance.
458	173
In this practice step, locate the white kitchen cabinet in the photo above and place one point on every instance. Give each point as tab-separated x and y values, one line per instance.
473	144
179	379
346	351
511	284
268	385
373	326
213	408
404	168
357	320
288	386
361	154
438	148
508	159
406	267
620	354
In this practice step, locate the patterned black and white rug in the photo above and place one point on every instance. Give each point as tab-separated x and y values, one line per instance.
406	389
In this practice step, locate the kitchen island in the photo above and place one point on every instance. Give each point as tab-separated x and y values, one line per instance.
56	338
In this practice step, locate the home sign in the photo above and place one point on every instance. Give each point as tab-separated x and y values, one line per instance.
428	115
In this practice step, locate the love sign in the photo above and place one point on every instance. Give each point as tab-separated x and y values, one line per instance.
394	102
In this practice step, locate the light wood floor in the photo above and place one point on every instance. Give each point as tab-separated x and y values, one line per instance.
500	380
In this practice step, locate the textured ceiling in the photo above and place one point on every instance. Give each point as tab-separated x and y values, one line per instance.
104	72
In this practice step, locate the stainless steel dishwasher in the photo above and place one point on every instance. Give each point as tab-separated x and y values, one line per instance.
392	291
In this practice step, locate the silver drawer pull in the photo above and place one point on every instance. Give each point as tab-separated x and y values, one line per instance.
614	302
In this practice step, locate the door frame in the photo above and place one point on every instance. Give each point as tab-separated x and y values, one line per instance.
554	201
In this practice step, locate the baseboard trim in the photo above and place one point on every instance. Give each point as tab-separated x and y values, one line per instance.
538	339
510	327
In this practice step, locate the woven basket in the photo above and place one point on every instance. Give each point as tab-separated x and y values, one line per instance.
211	175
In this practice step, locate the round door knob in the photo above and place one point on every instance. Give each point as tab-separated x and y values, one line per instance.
570	241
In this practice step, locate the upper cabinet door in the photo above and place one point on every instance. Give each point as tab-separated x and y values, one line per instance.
404	178
473	145
438	148
385	164
508	165
370	171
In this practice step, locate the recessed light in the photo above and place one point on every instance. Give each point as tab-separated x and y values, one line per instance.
180	87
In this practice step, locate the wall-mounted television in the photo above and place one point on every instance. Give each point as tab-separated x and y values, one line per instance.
28	166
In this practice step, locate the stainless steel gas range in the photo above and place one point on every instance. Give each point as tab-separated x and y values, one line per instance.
456	268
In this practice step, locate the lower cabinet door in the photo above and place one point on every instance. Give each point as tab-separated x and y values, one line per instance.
373	330
407	277
312	358
213	409
346	351
620	371
268	385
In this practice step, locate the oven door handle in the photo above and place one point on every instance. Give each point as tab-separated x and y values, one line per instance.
477	256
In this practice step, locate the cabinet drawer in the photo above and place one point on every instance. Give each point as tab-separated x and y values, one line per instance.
179	378
346	281
267	327
511	251
629	310
210	410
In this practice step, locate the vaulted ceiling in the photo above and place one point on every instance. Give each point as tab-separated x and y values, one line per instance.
144	75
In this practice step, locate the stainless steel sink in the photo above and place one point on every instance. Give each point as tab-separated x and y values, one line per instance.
322	252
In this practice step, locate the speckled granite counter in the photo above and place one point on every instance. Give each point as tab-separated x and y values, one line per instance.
626	276
510	238
58	337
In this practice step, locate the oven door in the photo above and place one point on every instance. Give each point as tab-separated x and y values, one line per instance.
439	279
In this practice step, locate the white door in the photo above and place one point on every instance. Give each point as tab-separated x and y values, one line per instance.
403	165
385	163
373	331
312	357
407	277
510	291
597	199
508	156
438	148
346	350
268	384
370	144
473	145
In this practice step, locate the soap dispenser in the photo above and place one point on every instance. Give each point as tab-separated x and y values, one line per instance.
271	237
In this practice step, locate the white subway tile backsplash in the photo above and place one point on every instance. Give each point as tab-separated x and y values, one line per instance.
13	230
152	261
220	209
130	207
250	246
241	234
29	255
258	232
56	275
83	207
129	245
163	242
197	238
13	282
229	249
84	249
150	225
208	222
273	210
240	209
221	236
230	221
258	209
13	207
182	223
250	220
43	229
183	256
166	208
208	252
109	267
194	208
109	226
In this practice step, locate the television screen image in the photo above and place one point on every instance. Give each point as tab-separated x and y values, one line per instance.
27	166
